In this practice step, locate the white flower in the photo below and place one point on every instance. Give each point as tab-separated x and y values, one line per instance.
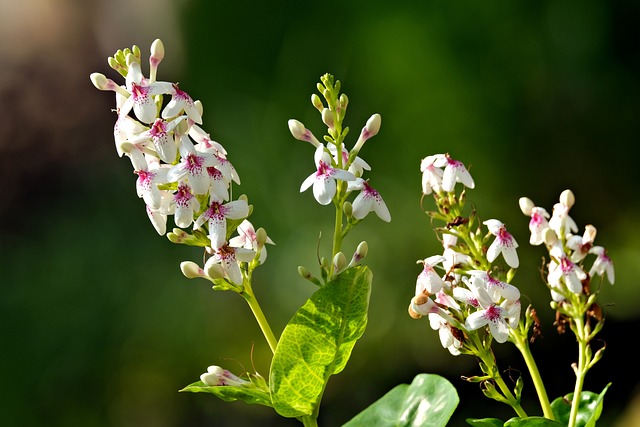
247	238
368	200
602	264
431	175
489	314
142	93
562	269
497	289
581	245
193	165
181	101
504	243
560	221
216	216
454	171
324	179
216	376
428	280
228	258
185	205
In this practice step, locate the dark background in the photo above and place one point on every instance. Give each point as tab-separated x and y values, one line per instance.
98	325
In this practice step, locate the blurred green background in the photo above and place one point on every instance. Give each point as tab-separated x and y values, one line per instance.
100	328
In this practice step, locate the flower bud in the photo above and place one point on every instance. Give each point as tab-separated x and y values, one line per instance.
262	238
347	208
526	205
191	270
217	376
157	54
339	263
328	118
567	198
213	270
370	129
317	102
550	237
157	51
344	101
304	273
359	254
301	133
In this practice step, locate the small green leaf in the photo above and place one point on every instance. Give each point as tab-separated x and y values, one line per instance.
589	408
249	393
485	422
317	342
428	402
532	422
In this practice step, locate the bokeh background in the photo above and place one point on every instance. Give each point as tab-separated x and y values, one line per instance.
98	325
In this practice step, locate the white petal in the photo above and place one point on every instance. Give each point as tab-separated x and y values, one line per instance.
323	190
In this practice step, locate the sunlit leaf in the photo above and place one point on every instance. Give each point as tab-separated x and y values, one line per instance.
317	342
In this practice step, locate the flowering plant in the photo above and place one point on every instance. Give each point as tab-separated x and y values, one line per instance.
182	172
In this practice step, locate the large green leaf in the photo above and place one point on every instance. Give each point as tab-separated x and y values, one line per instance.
428	402
589	408
317	342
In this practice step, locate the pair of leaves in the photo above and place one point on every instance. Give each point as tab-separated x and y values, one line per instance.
316	343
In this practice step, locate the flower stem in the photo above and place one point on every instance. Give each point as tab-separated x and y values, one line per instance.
522	345
580	370
309	421
247	294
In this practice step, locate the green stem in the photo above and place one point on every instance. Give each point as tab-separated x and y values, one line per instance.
309	421
260	318
522	345
487	358
580	371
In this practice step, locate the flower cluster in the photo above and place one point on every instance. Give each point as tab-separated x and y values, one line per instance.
181	171
470	294
566	276
471	301
335	163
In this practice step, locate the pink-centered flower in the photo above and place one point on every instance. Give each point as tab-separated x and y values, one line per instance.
185	205
193	165
454	171
504	243
581	245
229	258
562	269
181	101
429	281
489	313
142	92
368	200
150	174
496	289
602	264
248	239
162	137
216	217
324	179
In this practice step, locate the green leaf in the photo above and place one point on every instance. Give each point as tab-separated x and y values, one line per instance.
485	422
317	342
514	422
428	402
532	422
589	408
249	393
